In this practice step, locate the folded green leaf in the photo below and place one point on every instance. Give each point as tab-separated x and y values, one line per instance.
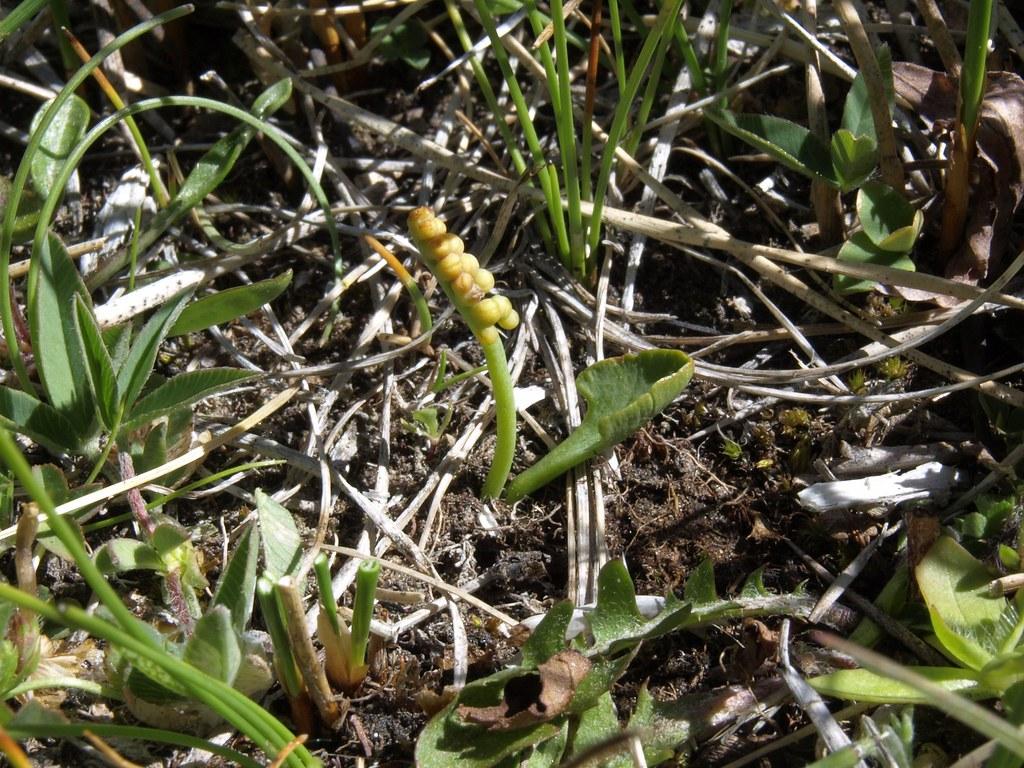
622	394
792	145
120	555
237	586
184	390
62	134
853	157
888	219
860	250
214	647
224	306
138	366
37	420
282	545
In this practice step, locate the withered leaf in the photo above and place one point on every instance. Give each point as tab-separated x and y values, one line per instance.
998	167
534	698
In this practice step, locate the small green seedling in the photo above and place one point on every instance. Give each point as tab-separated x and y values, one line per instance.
345	646
622	394
979	632
846	162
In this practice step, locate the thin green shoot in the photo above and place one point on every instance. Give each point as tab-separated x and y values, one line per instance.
615	19
133	249
367	575
666	17
442	382
19	16
160	501
284	662
972	75
328	603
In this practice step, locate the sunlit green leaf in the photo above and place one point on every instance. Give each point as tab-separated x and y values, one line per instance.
62	134
857	117
888	219
237	586
853	157
860	250
188	388
99	365
120	555
866	686
138	366
214	647
282	545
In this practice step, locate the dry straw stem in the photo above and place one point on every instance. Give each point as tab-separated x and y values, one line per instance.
940	37
889	160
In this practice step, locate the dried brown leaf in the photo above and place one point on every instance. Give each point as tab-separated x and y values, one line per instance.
534	698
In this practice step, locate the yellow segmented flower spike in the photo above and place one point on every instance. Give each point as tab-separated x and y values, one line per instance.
463	279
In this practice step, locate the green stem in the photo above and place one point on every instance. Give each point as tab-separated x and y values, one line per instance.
504	419
284	661
328	603
89	686
576	448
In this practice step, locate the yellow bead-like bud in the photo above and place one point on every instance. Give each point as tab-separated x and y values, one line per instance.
509	320
488	335
469	263
463	284
424	225
504	305
486	312
449	267
446	245
484	279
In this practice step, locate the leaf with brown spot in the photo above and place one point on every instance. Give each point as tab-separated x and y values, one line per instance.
533	698
997	169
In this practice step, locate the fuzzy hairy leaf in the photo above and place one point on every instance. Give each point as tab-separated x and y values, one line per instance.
863	685
120	555
184	390
214	647
37	420
224	306
791	144
54	283
62	134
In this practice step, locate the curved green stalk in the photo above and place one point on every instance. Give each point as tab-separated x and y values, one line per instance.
972	75
504	419
21	177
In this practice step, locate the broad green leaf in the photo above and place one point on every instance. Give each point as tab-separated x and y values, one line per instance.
966	619
548	754
888	219
866	686
700	585
622	394
54	283
120	555
99	366
237	586
604	671
446	741
214	647
548	637
35	419
138	366
857	117
860	250
792	145
224	306
184	390
282	545
853	157
62	134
